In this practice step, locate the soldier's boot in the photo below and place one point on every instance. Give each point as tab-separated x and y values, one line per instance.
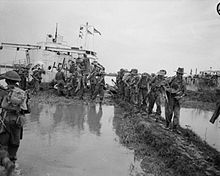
176	129
9	166
167	125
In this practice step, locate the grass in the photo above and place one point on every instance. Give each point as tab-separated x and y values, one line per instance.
142	137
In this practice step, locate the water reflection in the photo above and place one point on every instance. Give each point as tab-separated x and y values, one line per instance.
198	121
94	118
59	140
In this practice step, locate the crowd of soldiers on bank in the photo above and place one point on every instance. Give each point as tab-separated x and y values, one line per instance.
80	80
145	90
142	90
77	79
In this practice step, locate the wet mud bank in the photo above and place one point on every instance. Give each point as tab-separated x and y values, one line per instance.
182	153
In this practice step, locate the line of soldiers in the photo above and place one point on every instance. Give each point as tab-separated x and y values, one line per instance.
145	90
81	80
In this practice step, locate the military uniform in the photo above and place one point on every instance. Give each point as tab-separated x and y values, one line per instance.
37	77
92	79
80	84
175	92
127	79
99	89
120	83
72	68
134	89
11	119
155	93
143	89
60	79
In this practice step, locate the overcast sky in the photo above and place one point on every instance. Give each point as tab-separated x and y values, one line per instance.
148	34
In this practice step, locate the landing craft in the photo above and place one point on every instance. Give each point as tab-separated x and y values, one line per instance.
54	51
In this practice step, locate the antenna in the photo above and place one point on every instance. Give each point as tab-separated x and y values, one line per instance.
55	39
86	35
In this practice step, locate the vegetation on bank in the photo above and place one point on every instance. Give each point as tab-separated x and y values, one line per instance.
183	154
202	95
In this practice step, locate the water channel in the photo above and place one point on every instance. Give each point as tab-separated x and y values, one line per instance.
74	139
198	121
80	139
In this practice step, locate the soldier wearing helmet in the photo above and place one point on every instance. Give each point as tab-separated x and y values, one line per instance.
156	91
120	83
12	119
133	86
12	76
127	80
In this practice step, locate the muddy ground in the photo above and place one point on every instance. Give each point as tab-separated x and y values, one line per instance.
162	152
165	152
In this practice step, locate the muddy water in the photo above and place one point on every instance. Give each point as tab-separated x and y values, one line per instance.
74	139
198	121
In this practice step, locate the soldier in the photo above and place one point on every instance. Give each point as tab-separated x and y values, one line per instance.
126	80
73	76
217	108
37	77
143	87
92	79
133	86
80	89
68	87
14	105
72	66
175	92
60	80
120	83
99	89
23	73
156	89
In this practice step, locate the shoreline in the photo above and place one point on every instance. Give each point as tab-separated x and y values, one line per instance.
182	153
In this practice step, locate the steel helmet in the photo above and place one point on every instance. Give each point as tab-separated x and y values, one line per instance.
145	74
134	70
12	75
39	64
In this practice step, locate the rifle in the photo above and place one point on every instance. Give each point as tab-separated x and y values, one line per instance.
64	59
215	114
114	83
54	66
2	123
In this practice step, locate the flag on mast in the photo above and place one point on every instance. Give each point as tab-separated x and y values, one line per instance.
89	32
96	31
81	32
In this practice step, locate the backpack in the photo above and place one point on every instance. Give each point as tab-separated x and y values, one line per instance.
17	97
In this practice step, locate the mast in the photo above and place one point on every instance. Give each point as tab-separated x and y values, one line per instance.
86	35
55	39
